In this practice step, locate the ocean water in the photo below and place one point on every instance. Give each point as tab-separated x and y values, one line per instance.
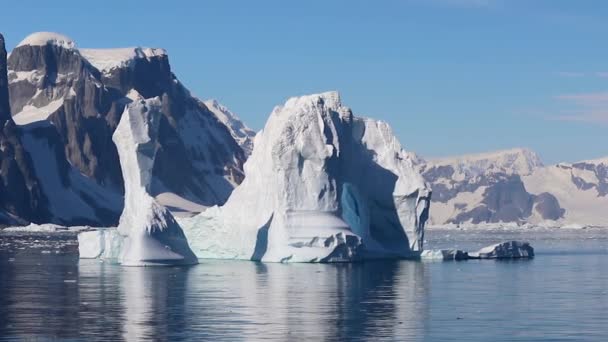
46	293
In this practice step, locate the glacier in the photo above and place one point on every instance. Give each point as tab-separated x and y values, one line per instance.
147	233
321	185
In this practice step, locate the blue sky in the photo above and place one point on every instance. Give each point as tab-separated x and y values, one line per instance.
450	76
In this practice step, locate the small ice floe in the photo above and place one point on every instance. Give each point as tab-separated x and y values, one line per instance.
505	250
69	280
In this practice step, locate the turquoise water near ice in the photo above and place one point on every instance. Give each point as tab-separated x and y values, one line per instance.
561	295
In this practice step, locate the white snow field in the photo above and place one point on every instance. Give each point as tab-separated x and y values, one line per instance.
240	132
147	232
321	185
106	60
30	114
44	38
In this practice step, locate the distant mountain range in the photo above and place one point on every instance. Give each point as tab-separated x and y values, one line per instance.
60	105
515	186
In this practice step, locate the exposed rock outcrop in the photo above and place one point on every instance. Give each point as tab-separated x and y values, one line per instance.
21	198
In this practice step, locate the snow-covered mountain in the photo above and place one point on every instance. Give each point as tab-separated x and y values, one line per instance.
68	101
514	186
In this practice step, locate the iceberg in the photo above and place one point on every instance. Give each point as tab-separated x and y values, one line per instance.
147	233
321	185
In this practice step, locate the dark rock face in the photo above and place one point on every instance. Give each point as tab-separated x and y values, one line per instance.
20	196
548	207
505	199
5	110
197	157
601	173
508	201
89	112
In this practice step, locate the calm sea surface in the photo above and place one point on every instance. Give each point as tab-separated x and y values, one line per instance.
561	295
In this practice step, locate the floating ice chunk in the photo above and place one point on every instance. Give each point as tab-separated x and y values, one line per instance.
443	254
505	250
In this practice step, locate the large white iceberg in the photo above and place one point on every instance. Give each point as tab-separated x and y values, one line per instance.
147	233
321	185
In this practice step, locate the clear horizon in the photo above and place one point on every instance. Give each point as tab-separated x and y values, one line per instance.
452	77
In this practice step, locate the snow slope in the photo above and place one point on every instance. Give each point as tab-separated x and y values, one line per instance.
64	185
30	113
321	185
240	132
106	60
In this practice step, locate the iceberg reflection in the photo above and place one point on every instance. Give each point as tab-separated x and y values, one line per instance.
228	300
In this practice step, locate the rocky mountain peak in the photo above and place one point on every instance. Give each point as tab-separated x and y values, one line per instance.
68	102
